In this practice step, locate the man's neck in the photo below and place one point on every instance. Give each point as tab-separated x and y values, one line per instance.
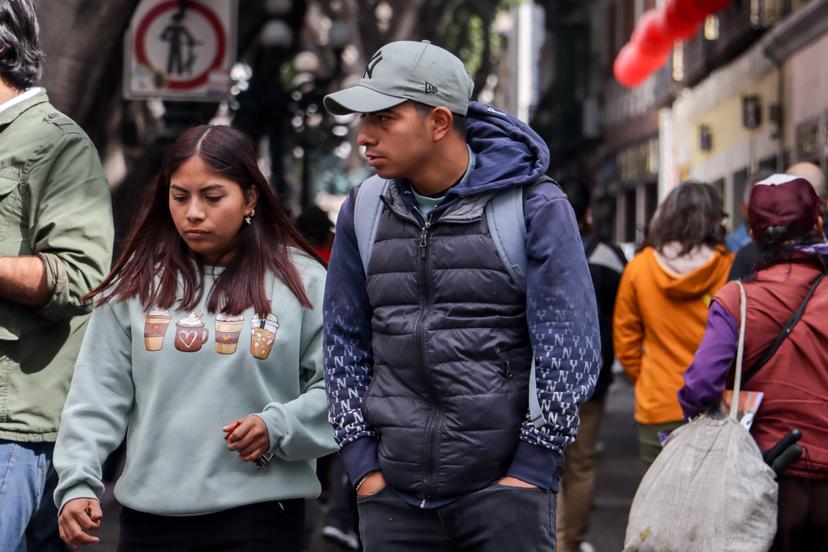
443	170
7	92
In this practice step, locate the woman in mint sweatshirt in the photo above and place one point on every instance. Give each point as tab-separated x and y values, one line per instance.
204	350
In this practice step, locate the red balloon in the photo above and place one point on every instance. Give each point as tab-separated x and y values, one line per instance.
632	66
651	61
626	71
678	25
651	33
692	10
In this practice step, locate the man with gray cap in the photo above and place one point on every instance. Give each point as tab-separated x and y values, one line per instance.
455	361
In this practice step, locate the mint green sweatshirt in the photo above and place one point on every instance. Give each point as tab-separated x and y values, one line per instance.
170	381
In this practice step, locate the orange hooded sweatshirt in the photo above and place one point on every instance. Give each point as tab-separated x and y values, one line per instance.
660	316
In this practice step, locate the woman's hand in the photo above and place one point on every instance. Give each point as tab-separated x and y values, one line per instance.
77	517
248	437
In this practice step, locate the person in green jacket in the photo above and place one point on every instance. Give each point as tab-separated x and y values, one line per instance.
55	245
204	349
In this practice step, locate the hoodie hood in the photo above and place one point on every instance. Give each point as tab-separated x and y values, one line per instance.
507	152
700	281
820	249
671	258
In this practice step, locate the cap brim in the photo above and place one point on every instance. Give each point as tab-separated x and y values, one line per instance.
359	99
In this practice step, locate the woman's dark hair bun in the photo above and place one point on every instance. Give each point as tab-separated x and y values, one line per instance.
773	235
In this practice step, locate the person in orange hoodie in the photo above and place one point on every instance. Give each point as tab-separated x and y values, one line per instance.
661	308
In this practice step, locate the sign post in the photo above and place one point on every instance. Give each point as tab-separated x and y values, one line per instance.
180	50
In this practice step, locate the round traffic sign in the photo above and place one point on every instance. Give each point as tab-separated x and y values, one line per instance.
181	52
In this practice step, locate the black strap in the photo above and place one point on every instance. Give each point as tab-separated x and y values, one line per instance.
786	331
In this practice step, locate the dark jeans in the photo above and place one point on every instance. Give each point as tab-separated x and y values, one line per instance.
802	521
262	527
494	519
342	510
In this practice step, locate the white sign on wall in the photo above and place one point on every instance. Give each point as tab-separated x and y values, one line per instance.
180	50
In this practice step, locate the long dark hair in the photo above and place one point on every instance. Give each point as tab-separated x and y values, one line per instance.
155	255
775	246
21	58
691	214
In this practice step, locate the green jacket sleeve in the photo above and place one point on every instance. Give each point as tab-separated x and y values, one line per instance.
70	222
94	419
299	429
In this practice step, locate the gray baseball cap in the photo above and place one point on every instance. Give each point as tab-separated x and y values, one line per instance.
405	70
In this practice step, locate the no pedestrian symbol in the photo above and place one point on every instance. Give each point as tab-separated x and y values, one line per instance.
180	50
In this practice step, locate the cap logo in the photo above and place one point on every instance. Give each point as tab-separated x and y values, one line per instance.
430	88
369	69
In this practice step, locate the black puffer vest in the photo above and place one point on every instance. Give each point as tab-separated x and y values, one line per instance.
451	350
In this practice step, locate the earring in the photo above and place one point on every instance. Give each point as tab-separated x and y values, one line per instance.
248	220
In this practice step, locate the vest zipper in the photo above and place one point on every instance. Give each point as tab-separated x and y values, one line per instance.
432	427
424	238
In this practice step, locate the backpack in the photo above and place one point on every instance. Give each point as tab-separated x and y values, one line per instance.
507	226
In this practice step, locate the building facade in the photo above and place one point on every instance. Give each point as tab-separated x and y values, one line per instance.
748	91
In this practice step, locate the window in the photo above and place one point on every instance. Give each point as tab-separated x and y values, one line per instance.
629	215
764	13
629	19
650	201
735	212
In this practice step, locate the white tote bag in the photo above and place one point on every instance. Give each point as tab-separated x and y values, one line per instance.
709	489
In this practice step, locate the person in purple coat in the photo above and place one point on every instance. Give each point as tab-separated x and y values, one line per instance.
786	226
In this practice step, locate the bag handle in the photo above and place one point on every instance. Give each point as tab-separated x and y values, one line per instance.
740	351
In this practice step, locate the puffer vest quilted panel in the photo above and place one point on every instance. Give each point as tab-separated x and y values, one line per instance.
451	351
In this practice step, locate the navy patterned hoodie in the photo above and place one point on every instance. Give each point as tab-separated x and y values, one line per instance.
427	358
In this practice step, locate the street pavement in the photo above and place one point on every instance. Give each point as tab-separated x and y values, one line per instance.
618	472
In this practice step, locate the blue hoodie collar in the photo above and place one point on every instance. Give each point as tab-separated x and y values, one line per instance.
507	152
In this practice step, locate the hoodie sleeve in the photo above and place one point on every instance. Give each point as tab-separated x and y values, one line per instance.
563	327
628	327
94	419
299	429
348	355
706	378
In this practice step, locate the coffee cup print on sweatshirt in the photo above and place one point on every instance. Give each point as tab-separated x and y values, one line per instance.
155	328
263	335
228	329
190	333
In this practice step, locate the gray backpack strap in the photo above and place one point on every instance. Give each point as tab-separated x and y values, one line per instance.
367	211
507	225
504	215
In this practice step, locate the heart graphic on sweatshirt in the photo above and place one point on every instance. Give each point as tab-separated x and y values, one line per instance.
190	333
188	337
